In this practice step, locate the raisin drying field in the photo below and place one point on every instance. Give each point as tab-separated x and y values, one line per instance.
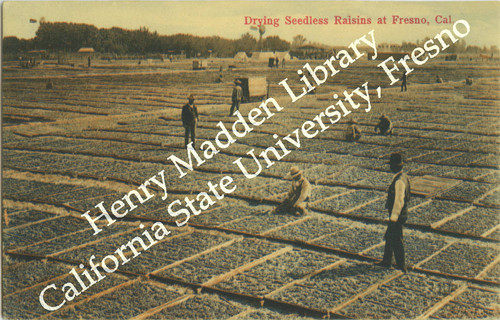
101	132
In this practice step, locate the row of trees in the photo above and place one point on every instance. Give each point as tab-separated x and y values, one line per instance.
458	47
69	37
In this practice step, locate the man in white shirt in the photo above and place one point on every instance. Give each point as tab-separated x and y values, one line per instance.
397	204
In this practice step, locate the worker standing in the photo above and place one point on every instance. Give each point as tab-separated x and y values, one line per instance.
397	204
189	121
237	96
403	81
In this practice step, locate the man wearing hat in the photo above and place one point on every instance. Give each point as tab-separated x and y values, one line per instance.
189	120
353	131
237	96
404	77
299	192
397	204
384	125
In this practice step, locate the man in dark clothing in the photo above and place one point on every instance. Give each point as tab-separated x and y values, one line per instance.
49	85
397	204
468	81
384	125
236	97
403	82
189	120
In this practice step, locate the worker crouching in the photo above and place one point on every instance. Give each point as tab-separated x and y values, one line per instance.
384	126
353	132
300	190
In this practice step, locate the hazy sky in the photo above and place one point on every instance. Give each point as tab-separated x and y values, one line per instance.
227	18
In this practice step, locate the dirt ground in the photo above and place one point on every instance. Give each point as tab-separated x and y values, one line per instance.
102	131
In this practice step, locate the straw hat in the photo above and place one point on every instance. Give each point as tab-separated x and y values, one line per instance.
294	173
191	97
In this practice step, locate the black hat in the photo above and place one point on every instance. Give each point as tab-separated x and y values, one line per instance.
396	159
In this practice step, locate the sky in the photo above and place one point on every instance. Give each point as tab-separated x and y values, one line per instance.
228	19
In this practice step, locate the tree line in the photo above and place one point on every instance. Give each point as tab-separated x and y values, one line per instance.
69	37
458	47
65	37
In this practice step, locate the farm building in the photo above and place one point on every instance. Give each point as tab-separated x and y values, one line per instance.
385	55
312	51
241	56
32	58
262	56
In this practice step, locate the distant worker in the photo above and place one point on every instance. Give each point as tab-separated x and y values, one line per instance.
283	63
403	81
299	192
468	81
397	205
236	97
438	79
49	85
313	91
353	131
88	63
384	125
277	62
189	121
